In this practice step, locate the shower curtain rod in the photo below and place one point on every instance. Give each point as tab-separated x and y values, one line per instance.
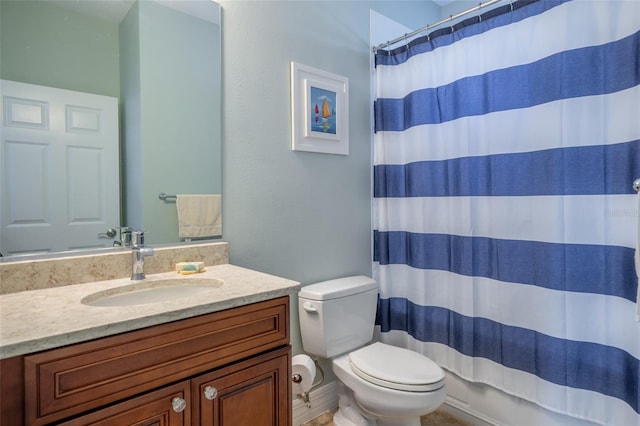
435	24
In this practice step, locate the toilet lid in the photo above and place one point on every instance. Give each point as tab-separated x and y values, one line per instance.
396	368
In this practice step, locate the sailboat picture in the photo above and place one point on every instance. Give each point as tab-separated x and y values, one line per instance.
322	108
319	111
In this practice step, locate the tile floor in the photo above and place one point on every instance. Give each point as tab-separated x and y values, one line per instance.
437	418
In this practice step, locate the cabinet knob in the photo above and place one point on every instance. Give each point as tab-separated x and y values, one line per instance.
178	404
210	392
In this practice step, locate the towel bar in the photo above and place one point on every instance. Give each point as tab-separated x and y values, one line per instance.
164	196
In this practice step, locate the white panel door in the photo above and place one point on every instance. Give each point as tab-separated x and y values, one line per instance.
60	169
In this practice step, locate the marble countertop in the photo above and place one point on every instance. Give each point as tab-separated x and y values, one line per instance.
32	321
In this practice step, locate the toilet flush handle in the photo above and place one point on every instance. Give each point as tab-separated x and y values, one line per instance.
308	306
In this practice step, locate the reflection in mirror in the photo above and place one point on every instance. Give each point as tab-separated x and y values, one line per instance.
105	105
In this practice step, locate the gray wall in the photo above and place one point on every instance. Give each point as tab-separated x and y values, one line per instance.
303	216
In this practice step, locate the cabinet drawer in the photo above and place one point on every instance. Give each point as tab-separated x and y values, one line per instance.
67	381
153	408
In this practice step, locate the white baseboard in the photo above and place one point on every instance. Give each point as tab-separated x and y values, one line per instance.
322	399
461	411
325	399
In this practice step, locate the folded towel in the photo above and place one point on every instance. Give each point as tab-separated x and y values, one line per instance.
199	215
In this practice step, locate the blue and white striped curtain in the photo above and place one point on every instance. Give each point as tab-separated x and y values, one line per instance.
504	214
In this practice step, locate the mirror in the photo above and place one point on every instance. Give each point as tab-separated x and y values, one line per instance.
160	62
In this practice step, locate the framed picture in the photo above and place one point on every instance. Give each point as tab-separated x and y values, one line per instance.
319	111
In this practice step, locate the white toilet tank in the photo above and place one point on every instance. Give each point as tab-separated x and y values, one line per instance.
337	316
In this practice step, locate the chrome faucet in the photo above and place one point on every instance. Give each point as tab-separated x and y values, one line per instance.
125	236
138	253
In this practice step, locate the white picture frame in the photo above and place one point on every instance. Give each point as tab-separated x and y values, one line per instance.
319	111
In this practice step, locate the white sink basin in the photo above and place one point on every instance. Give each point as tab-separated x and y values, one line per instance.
152	292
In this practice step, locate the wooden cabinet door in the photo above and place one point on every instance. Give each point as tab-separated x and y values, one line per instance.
254	392
151	409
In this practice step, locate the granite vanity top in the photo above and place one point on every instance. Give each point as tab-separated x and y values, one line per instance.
32	321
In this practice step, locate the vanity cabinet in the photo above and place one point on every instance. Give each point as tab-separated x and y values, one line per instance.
230	367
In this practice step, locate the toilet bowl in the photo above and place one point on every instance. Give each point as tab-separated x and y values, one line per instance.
378	384
392	397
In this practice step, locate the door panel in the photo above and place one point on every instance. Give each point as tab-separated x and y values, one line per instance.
60	169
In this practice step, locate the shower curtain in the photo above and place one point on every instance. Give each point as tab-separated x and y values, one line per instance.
504	218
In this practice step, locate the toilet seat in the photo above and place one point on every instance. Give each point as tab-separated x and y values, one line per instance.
396	368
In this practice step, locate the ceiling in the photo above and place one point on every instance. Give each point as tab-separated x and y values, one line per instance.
111	10
443	2
116	10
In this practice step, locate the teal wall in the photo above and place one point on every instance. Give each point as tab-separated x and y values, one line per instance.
300	215
171	101
130	125
457	7
44	44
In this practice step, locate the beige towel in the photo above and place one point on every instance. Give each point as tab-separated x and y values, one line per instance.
199	215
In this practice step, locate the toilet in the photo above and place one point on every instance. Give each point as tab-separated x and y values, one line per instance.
378	384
